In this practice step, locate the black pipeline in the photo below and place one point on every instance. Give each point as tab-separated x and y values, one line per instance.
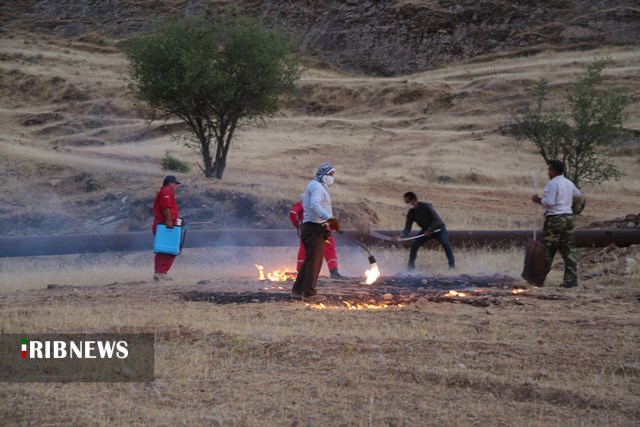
18	246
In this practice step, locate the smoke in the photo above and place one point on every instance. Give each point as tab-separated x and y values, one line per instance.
235	266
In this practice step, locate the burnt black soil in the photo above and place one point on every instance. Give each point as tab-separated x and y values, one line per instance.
481	291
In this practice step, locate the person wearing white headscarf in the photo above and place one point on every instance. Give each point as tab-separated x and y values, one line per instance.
318	221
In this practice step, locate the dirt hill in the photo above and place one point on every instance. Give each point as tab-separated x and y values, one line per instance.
77	155
388	37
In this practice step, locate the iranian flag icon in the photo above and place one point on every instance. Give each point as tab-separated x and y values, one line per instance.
24	348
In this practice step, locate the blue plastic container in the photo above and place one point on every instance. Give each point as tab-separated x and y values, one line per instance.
167	240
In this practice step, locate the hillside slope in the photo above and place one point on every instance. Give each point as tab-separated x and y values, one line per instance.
77	155
388	37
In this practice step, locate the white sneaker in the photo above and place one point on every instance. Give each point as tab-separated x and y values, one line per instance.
161	277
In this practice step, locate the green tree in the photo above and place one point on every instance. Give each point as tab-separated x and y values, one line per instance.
213	75
581	135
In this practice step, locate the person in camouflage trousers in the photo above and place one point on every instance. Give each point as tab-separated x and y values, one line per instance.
558	235
558	232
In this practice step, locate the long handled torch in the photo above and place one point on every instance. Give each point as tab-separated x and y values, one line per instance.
372	259
373	273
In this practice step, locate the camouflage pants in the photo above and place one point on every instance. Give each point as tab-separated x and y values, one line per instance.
559	236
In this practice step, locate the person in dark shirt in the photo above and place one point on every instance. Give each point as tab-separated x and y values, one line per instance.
431	227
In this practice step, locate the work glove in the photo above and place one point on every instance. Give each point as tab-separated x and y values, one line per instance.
334	224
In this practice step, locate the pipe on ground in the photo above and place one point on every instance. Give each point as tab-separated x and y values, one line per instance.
20	246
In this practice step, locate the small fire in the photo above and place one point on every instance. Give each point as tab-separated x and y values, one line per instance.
456	294
372	274
362	306
261	271
353	306
275	276
516	291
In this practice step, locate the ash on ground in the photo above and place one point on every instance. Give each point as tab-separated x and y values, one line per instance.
387	291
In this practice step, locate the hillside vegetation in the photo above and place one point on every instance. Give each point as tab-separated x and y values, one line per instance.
79	156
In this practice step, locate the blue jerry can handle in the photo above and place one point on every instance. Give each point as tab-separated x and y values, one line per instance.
170	241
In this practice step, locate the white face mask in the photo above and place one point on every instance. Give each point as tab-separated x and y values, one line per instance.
327	180
408	206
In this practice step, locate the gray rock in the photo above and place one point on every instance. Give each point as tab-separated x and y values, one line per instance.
344	381
591	274
263	337
628	265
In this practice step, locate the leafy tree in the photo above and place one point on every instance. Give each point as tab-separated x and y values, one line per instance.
580	135
213	75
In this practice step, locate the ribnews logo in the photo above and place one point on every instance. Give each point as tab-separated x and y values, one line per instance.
79	350
76	357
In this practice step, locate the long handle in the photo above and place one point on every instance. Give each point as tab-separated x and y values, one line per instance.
356	242
535	191
381	236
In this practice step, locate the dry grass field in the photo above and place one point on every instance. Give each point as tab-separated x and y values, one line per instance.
548	357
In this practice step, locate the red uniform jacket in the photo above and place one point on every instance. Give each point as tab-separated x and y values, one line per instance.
164	199
296	214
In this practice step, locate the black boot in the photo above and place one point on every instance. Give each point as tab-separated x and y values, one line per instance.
335	274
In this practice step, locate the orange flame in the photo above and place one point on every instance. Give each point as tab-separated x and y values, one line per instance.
261	271
517	291
276	275
362	306
372	274
354	306
455	294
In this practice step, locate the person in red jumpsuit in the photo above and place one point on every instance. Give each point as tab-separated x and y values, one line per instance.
165	211
331	257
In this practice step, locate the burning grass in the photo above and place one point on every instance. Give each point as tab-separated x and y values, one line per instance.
396	291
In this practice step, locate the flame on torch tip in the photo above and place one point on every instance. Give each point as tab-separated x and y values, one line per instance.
372	274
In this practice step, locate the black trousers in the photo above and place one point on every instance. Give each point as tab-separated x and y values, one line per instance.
313	236
443	237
